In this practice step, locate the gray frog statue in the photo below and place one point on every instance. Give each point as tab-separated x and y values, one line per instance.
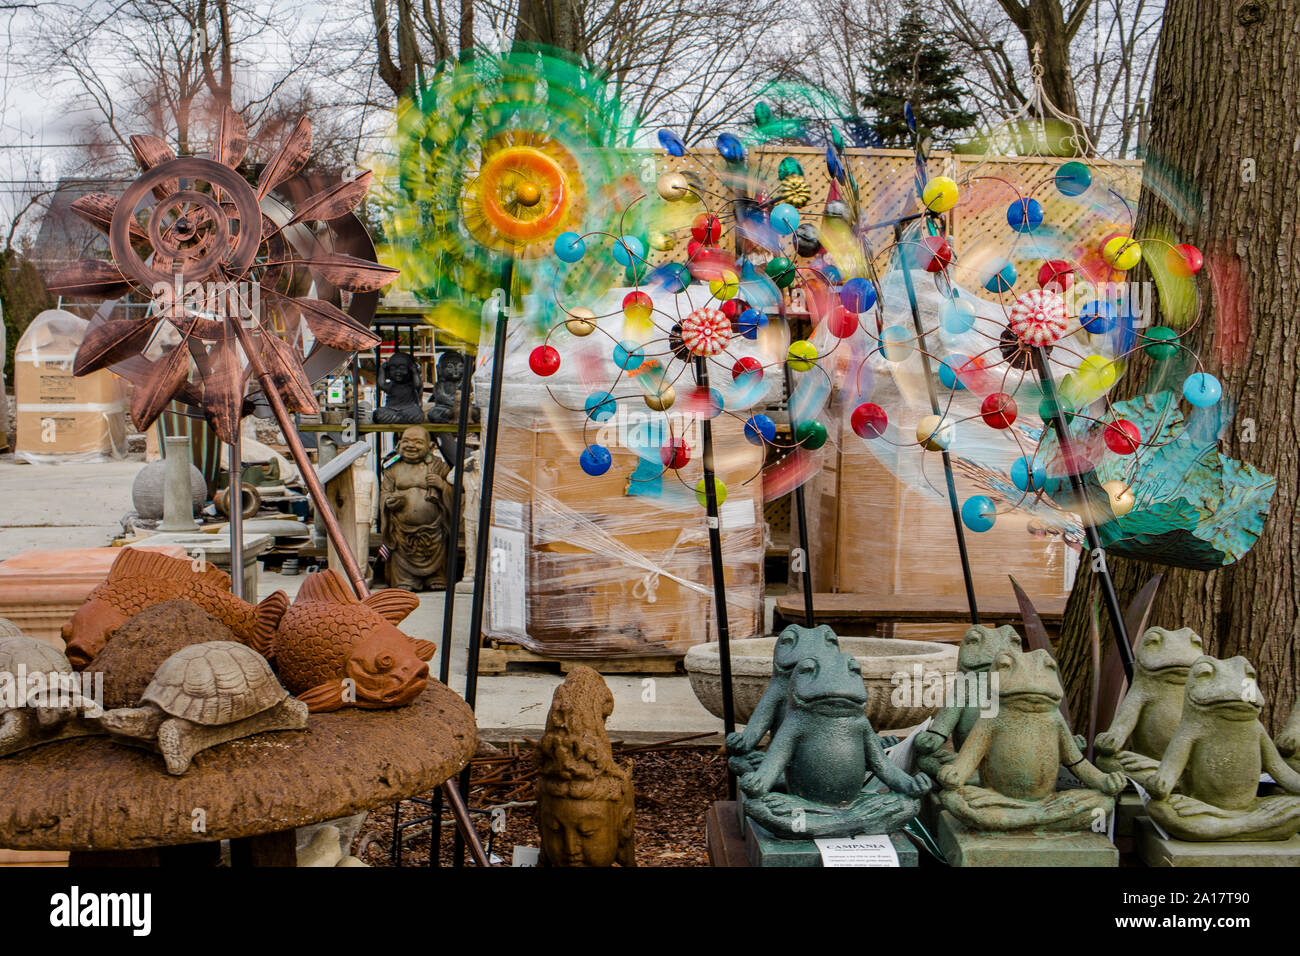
1288	740
1150	712
979	646
1018	752
1214	760
822	751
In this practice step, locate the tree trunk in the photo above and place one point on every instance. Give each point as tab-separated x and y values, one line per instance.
552	23
1223	152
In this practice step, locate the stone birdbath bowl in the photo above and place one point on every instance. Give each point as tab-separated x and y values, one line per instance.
881	658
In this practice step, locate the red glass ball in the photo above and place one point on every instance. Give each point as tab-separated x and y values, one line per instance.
1056	275
544	360
1122	437
1185	260
999	410
842	323
747	365
675	453
733	307
935	253
868	420
707	228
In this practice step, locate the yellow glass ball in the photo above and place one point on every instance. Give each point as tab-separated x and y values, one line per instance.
725	287
934	433
719	492
1122	252
661	241
802	355
672	186
1097	373
939	194
661	400
1121	497
582	322
527	194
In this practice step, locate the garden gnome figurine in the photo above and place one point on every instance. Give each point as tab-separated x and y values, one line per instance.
415	505
585	809
403	389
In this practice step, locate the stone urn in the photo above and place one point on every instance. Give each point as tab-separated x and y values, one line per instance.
147	489
923	663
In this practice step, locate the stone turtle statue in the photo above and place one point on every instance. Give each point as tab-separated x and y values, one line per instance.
41	698
204	695
823	750
979	647
1215	759
1019	751
793	645
1152	707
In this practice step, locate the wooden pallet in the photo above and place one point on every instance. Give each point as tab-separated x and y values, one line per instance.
494	659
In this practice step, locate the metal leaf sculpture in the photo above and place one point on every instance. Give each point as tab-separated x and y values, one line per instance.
231	276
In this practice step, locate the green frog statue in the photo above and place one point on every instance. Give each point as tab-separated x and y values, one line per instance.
1150	712
979	646
793	645
1018	752
1206	786
821	754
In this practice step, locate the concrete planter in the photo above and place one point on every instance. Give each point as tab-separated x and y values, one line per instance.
881	658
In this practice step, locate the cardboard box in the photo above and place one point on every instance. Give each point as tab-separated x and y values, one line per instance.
613	566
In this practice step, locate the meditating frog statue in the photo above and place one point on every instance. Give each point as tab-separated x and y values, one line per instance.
793	645
1149	714
979	647
823	750
1215	758
1019	751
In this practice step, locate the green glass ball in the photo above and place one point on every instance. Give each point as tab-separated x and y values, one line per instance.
811	434
1047	408
1161	343
781	271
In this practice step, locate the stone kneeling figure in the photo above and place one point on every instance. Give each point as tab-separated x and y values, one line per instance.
415	514
402	385
822	753
1207	785
1018	752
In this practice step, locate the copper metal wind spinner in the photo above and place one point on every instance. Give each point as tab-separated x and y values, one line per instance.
222	262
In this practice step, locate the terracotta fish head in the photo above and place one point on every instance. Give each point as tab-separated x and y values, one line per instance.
88	631
386	670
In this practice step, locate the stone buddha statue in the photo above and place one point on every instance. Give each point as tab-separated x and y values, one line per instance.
402	386
585	809
414	514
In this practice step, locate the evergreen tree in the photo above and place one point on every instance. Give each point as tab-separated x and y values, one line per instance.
911	67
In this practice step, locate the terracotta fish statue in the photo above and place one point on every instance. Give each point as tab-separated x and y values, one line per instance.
332	650
140	579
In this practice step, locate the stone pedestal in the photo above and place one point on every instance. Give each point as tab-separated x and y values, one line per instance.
178	506
215	549
763	849
1155	850
41	590
1128	807
963	846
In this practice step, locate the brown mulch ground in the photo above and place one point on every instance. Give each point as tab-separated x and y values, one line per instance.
675	785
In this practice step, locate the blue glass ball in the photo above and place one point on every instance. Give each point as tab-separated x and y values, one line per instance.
749	322
858	295
1202	389
595	460
948	371
832	274
730	148
760	430
1028	474
978	513
1003	279
957	316
600	406
716	404
627	249
1097	317
628	355
570	247
1025	215
785	218
672	142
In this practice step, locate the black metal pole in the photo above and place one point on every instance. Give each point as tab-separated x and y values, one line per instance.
488	462
801	514
934	407
453	572
715	556
1113	609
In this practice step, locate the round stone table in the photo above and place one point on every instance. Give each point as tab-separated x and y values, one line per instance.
109	803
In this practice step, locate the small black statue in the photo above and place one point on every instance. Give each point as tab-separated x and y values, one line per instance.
446	400
403	387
